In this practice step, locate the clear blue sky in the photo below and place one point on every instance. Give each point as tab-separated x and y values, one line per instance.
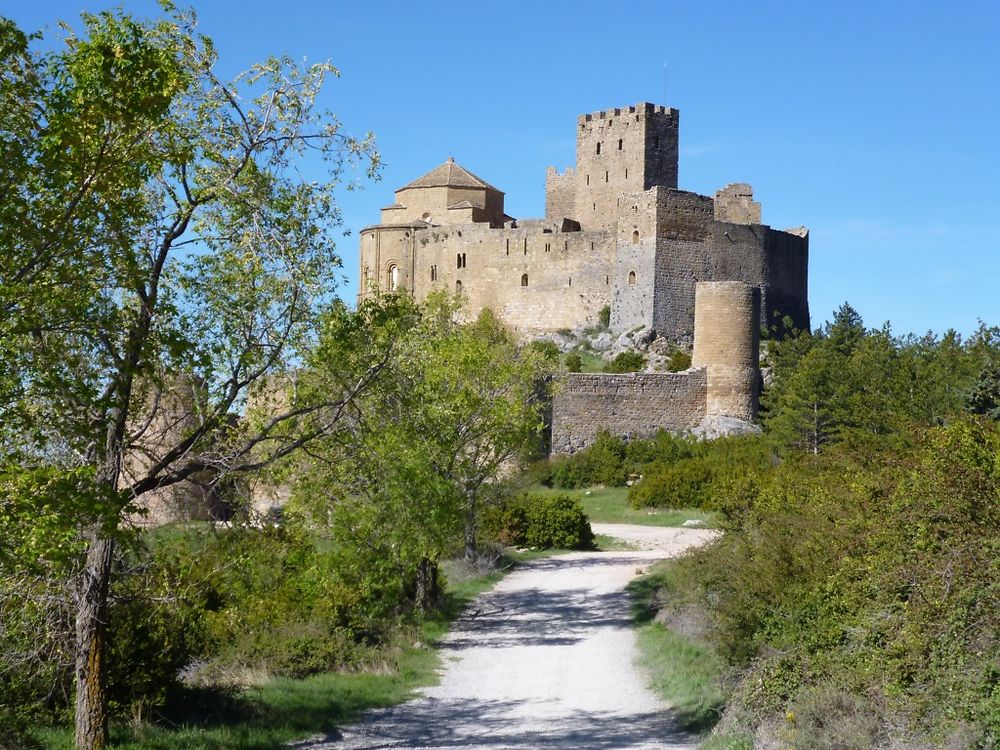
873	123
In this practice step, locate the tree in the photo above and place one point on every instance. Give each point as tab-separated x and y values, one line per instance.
155	227
456	406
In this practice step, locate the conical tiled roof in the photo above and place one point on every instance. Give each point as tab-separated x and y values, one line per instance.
449	174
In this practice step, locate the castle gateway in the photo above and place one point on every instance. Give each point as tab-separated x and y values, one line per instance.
617	231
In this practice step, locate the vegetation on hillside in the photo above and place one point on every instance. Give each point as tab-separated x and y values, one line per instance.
852	596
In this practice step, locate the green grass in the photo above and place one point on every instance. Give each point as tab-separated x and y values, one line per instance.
684	672
610	505
589	361
283	710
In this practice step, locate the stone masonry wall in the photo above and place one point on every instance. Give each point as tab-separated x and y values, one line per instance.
560	194
632	405
569	274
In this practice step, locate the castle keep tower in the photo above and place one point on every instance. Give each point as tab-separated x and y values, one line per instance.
622	150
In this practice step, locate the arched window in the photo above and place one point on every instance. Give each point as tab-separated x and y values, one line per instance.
635	237
458	260
631	278
393	277
524	279
458	287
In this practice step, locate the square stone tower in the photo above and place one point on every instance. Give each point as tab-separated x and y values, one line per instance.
622	150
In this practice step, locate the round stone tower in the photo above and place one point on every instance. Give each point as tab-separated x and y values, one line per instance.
727	344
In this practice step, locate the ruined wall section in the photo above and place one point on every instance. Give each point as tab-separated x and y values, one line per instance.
735	204
568	274
633	405
560	193
622	150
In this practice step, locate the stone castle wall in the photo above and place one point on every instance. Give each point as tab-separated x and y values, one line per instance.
568	274
632	405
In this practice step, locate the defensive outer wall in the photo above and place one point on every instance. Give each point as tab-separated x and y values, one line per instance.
723	381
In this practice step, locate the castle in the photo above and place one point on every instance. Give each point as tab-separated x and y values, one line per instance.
617	232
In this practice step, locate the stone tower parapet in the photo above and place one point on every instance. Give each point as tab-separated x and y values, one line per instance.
727	345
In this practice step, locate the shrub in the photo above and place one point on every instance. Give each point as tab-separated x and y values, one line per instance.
573	362
630	361
604	316
543	521
678	361
547	349
601	463
682	484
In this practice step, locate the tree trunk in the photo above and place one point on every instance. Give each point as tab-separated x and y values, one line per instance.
471	548
91	633
427	585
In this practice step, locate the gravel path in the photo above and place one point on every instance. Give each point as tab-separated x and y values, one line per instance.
544	659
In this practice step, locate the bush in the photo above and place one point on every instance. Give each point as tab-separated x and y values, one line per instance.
601	463
547	349
573	362
629	361
683	484
543	521
604	316
678	361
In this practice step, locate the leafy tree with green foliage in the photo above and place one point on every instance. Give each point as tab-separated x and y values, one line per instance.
153	224
456	404
574	363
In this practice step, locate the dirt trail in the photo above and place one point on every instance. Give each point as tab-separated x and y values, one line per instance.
544	660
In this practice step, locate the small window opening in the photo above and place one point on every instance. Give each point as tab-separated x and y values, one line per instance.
605	176
631	278
508	246
598	147
393	277
626	173
619	144
463	260
570	281
548	246
458	260
458	287
595	205
607	280
565	244
588	179
635	237
524	279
